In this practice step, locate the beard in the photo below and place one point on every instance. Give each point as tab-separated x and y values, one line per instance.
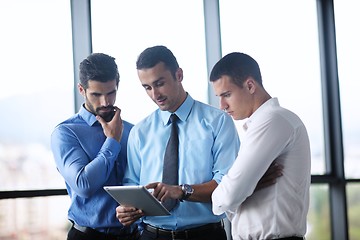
108	115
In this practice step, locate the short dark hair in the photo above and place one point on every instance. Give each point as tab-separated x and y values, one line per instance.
98	67
238	66
154	55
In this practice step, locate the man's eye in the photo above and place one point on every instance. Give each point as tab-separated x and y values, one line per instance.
159	84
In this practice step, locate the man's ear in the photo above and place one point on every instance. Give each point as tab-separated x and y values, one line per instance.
81	89
179	74
250	85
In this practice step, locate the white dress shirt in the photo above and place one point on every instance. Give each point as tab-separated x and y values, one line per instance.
280	210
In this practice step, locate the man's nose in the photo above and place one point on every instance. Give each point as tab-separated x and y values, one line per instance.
104	101
223	104
155	93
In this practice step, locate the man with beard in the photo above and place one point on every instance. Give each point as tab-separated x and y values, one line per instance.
90	152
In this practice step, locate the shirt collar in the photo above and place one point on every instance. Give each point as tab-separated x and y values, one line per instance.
88	117
182	112
269	103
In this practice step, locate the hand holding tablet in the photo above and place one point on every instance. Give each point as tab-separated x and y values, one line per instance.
138	197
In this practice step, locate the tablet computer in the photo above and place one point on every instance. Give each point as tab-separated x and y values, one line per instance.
138	197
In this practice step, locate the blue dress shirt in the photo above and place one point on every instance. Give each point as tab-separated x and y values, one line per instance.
208	145
88	160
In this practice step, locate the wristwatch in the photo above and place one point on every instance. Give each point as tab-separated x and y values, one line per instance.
187	191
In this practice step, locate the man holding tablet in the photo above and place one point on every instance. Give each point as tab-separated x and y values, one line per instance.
207	146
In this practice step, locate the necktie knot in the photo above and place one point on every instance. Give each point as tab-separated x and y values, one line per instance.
173	118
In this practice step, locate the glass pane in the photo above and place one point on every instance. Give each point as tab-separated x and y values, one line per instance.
319	215
36	89
353	204
124	29
40	218
284	41
348	49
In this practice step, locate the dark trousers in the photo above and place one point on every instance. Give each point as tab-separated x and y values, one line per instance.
91	234
291	238
201	233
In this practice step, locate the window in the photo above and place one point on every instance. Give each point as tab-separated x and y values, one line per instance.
37	90
353	202
36	94
40	218
38	87
348	50
276	39
179	25
285	45
319	213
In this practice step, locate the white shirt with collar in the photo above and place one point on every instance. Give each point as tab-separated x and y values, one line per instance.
280	210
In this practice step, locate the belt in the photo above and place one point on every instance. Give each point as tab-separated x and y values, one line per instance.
185	234
290	238
125	234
